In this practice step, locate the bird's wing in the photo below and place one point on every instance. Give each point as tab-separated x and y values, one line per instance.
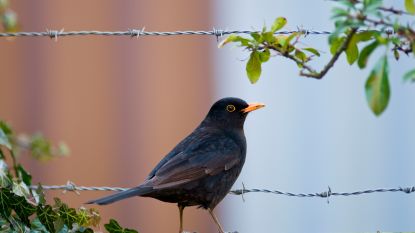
211	155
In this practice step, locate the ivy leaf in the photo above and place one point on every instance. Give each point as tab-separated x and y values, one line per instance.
366	52
4	140
47	217
410	6
278	24
39	195
5	180
68	215
253	67
313	51
83	217
21	189
23	209
37	226
377	87
5	203
409	76
24	175
114	227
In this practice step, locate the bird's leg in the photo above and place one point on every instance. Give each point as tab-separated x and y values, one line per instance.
181	208
216	221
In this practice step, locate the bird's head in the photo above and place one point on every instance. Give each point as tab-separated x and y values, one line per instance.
230	112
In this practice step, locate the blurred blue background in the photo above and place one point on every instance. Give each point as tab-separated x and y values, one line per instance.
122	103
317	133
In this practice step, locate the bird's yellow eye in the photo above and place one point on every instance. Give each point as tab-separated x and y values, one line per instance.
230	108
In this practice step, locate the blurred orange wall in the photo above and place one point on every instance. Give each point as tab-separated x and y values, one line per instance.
120	103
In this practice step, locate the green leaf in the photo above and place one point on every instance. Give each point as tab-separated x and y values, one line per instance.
24	175
409	76
413	47
4	140
268	37
278	24
256	36
396	54
39	195
23	209
410	6
21	189
364	36
234	38
68	215
377	87
366	52
253	67
5	203
339	12
335	45
300	55
5	180
47	217
83	217
37	226
313	51
352	51
114	227
264	55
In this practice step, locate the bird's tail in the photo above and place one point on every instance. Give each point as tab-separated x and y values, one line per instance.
136	191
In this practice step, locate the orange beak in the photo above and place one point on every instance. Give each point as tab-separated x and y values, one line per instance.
253	106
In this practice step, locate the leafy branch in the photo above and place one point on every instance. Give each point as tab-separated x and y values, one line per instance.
360	28
23	209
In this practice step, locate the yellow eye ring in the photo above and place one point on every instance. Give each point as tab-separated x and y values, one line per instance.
230	108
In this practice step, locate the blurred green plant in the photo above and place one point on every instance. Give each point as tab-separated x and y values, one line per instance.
8	18
23	209
361	27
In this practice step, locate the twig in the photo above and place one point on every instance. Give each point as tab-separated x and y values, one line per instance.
329	65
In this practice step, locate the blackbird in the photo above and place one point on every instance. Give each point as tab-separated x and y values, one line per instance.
202	168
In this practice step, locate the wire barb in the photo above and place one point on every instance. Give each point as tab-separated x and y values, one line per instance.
53	34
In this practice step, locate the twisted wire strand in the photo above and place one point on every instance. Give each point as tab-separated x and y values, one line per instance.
70	186
54	34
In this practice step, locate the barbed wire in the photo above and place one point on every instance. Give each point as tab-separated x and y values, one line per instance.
54	34
70	186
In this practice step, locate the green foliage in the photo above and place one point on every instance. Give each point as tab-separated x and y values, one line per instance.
260	44
253	67
409	76
8	17
410	6
278	24
4	139
114	227
23	209
365	54
361	26
377	87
